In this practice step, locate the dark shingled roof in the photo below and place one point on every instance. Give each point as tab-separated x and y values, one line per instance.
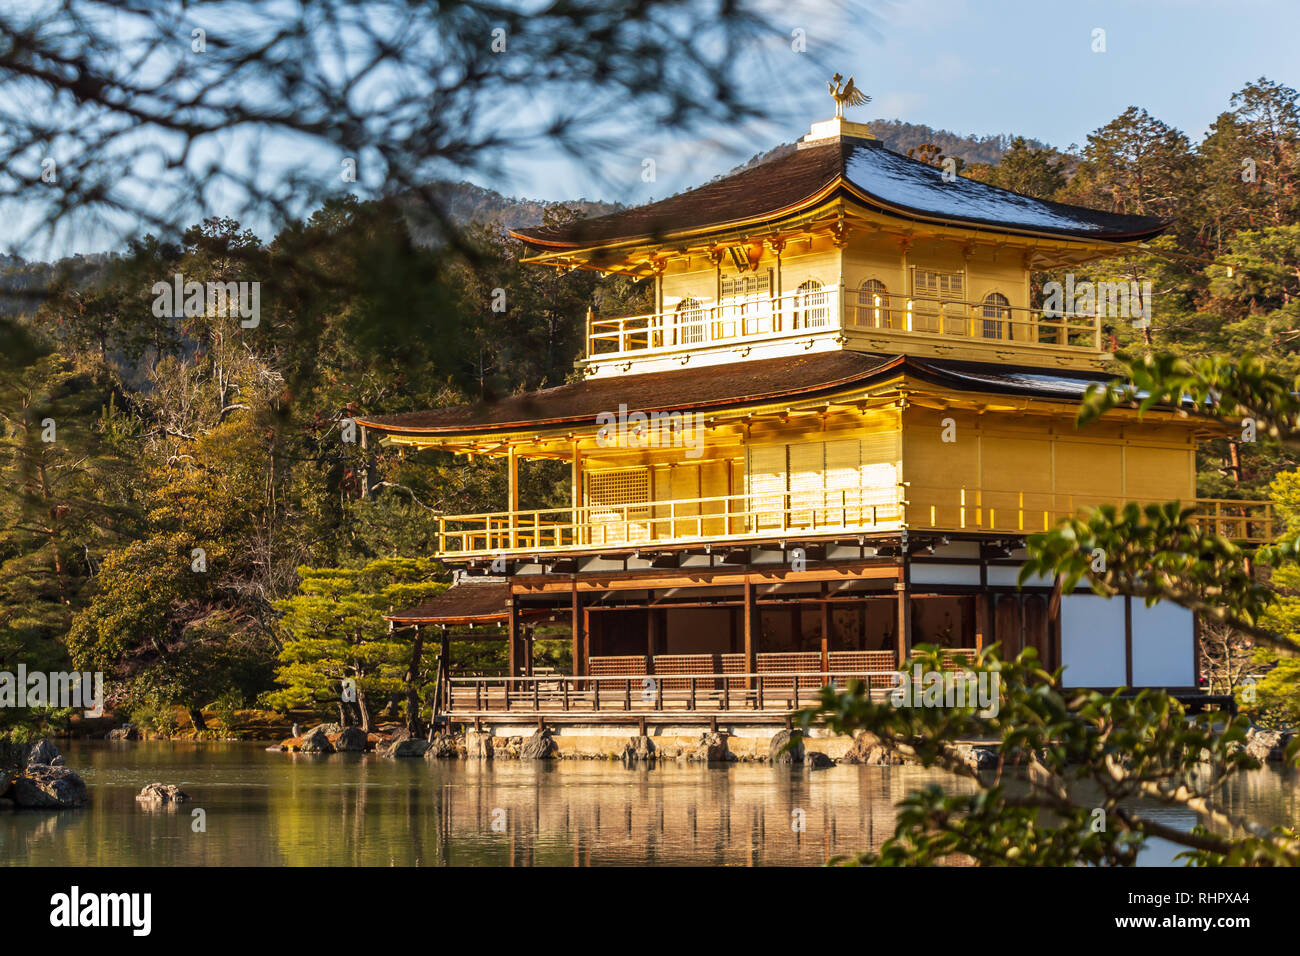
867	171
735	384
477	601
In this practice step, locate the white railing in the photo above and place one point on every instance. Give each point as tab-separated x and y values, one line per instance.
833	308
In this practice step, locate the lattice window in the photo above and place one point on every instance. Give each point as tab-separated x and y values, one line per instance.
618	504
938	285
690	321
997	315
873	305
810	307
746	304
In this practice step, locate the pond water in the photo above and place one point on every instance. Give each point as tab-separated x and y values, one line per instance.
277	809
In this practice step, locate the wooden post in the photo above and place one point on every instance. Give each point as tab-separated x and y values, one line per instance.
575	482
903	637
651	636
512	642
442	692
528	651
512	485
826	635
578	619
981	620
752	628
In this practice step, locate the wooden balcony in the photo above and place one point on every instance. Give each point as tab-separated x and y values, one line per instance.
680	521
977	509
893	320
808	514
1251	522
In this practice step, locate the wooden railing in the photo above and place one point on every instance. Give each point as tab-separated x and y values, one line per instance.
735	518
977	509
765	689
1250	521
958	318
781	691
833	308
727	517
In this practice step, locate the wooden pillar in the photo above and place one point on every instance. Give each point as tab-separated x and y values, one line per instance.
796	626
512	485
752	629
826	634
442	683
512	638
528	651
577	630
903	630
575	481
587	623
981	620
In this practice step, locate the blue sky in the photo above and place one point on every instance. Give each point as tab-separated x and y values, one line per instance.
969	66
994	66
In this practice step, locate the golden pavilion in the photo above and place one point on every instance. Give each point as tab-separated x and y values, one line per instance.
826	443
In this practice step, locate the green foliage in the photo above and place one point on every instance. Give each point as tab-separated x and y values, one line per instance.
1078	775
334	631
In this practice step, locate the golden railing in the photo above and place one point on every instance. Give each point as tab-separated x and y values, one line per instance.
832	308
805	513
958	318
1250	521
727	517
977	509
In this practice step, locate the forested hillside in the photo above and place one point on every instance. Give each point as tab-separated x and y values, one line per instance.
200	462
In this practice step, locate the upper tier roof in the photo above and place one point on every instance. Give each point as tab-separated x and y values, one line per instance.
732	385
861	169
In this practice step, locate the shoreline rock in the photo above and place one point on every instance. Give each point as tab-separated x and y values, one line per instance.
47	787
539	746
1267	745
786	748
162	794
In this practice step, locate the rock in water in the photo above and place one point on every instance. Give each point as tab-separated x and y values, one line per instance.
867	749
443	746
539	746
326	729
639	750
816	760
712	748
352	740
162	793
478	745
44	753
1266	745
316	742
125	732
47	787
977	758
786	748
407	748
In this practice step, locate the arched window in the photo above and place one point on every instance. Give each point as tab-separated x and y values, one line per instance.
810	309
690	322
997	316
873	305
